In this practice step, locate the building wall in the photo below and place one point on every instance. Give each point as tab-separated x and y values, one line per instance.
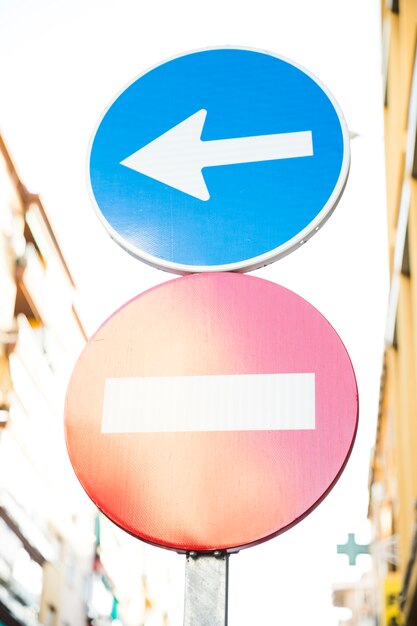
53	571
393	485
44	515
61	564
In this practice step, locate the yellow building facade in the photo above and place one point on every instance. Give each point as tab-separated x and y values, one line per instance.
393	479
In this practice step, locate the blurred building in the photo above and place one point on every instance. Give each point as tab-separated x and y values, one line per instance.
46	523
359	598
61	564
393	480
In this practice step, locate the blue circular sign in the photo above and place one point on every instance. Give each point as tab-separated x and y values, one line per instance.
221	159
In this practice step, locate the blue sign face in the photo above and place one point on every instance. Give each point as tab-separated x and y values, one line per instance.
223	159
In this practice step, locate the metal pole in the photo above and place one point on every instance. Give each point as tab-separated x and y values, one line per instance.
206	589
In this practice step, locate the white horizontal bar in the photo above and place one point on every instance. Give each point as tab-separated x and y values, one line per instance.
209	403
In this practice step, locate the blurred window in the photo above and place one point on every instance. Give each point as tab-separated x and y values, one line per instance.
50	616
411	149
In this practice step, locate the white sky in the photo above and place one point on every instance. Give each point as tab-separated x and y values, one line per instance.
61	64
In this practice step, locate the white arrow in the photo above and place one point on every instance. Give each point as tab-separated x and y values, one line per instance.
177	157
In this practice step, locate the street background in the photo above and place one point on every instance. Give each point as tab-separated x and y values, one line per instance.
62	63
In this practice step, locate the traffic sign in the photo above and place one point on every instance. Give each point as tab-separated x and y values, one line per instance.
213	411
222	159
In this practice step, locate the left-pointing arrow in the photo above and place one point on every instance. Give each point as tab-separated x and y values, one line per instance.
177	157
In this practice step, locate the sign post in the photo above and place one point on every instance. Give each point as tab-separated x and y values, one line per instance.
206	589
215	411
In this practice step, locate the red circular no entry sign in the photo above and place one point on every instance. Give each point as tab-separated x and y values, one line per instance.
211	412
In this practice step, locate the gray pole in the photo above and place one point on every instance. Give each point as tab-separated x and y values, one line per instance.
206	588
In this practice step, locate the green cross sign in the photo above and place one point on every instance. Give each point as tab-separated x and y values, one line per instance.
352	549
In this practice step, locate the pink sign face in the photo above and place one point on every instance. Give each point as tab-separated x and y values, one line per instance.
212	412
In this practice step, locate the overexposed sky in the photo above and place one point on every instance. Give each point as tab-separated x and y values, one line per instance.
62	62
